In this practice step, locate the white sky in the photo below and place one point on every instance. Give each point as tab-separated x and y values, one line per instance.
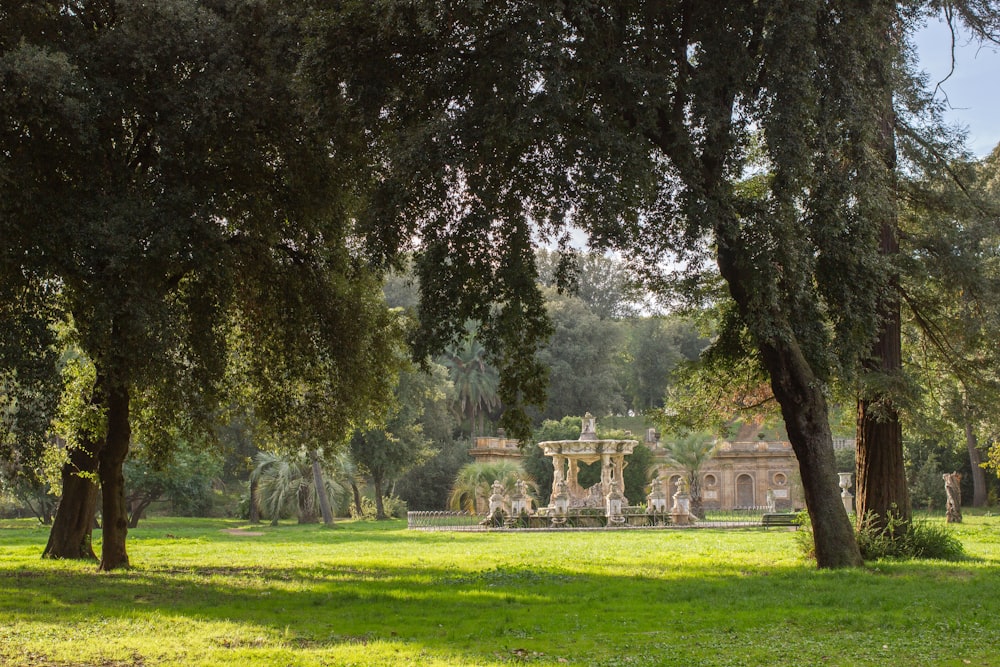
973	90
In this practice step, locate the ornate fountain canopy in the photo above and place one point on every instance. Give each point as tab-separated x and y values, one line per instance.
567	455
587	448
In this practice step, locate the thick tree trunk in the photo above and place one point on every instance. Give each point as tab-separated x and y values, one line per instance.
70	535
881	476
803	406
324	498
114	526
807	420
976	462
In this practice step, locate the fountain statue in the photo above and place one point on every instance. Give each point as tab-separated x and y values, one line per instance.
567	455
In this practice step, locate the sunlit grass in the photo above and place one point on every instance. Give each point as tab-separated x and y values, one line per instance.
208	592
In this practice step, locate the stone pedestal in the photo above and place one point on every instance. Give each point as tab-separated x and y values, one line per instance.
656	501
846	496
614	504
680	513
560	504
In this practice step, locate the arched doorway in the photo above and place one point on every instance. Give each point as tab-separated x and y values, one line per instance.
744	491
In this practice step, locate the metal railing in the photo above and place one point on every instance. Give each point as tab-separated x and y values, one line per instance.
444	521
634	517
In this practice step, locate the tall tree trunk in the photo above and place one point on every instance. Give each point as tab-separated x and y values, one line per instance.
976	462
324	498
881	473
114	526
881	476
72	528
807	420
803	406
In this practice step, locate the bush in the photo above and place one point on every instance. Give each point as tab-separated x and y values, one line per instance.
394	507
897	540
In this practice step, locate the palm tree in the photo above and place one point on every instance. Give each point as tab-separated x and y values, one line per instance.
285	483
476	383
474	483
690	453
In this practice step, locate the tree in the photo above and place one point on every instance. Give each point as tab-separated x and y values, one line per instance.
654	348
637	123
286	483
473	484
605	284
385	453
164	197
475	381
30	489
950	287
754	134
426	487
185	479
580	358
690	452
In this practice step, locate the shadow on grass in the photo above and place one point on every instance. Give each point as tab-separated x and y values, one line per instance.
547	607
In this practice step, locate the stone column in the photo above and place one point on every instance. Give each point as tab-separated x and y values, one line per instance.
573	478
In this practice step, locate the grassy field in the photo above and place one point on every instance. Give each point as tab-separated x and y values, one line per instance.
213	592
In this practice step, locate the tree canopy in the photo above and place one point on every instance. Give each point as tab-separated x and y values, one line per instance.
227	173
764	138
166	196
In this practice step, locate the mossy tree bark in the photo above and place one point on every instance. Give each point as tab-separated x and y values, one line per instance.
72	528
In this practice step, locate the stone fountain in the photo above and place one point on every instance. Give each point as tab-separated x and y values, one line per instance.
567	455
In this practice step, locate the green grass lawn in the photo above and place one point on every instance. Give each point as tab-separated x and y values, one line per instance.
377	594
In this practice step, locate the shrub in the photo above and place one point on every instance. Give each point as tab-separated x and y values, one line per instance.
901	540
897	540
804	535
393	505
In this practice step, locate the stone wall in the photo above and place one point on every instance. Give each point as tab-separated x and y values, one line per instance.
742	473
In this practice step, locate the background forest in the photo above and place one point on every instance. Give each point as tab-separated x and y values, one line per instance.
608	355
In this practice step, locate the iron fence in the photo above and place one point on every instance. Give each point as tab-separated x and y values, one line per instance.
633	517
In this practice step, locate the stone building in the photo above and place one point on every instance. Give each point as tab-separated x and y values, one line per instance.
744	474
741	474
493	449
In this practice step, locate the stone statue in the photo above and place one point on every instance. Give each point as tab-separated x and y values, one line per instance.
953	489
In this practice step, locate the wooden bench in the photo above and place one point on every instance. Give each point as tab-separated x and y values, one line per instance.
780	519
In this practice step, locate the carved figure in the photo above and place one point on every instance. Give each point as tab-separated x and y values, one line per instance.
953	489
